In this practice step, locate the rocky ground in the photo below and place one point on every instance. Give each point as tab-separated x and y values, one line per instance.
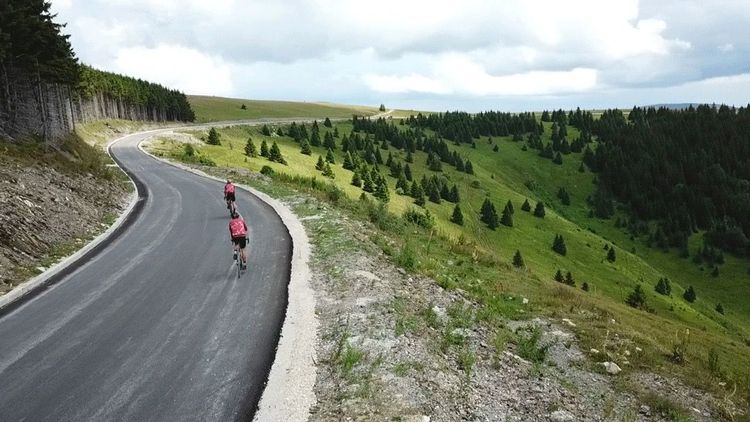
47	213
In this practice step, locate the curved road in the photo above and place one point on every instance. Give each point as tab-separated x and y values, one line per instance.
156	326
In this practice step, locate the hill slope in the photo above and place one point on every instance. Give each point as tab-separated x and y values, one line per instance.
477	260
211	109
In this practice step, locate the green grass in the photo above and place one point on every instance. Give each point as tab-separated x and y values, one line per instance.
477	260
211	109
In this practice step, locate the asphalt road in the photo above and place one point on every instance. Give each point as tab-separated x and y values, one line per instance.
156	326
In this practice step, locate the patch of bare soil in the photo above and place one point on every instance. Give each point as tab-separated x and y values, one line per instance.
45	211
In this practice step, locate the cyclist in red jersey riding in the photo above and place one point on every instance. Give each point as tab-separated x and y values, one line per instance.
229	194
238	232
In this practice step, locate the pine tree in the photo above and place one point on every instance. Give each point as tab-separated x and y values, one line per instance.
348	161
402	184
526	206
336	132
266	131
719	308
327	122
611	256
569	279
562	193
381	190
581	169
250	150
378	157
356	180
455	196
328	171
539	210
305	148
315	138
689	294
419	197
328	141
518	260
559	245
274	154
213	137
507	218
367	185
433	193
495	148
409	157
263	149
407	173
585	286
637	298
509	205
280	131
489	214
468	167
457	217
389	161
663	287
320	164
557	159
329	157
559	277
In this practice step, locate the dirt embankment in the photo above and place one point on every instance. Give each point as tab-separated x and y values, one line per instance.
51	204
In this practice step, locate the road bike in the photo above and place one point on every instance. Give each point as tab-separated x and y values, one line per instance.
238	261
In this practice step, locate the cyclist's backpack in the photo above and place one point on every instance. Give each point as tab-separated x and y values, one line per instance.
228	188
237	227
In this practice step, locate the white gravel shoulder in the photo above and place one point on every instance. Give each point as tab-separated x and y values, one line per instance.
288	395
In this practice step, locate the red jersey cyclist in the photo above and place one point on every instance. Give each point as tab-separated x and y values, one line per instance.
229	195
238	232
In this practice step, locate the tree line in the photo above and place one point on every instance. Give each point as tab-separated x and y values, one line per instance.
688	170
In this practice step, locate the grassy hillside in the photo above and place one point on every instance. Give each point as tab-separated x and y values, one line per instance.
211	109
477	260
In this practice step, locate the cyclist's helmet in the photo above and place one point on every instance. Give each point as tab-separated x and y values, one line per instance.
229	180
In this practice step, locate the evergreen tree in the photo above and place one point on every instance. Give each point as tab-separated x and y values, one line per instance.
569	279
356	180
663	287
266	131
433	193
509	205
402	184
330	158
581	169
489	214
336	132
389	161
327	122
689	294
468	167
526	206
457	217
637	299
557	159
367	185
715	272
585	286
381	190
274	154
280	131
507	218
328	141
719	308
611	256
263	148
539	210
559	245
518	260
409	157
213	137
315	138
378	157
250	150
407	173
348	161
559	277
562	193
305	148
328	171
320	164
495	148
455	196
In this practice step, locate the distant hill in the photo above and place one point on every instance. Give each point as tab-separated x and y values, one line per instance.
674	106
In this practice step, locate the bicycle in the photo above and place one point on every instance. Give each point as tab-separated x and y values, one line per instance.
241	266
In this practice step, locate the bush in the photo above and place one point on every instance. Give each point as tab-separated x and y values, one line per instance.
425	220
637	298
406	258
530	349
266	170
189	150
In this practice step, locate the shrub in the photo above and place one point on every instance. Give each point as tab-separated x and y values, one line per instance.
425	220
266	170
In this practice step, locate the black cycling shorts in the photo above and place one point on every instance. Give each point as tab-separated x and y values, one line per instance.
242	241
229	196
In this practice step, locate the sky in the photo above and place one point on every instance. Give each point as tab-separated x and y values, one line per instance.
473	55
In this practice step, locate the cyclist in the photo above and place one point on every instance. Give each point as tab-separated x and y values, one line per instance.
229	195
238	232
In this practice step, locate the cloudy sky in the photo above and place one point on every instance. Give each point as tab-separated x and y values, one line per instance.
426	54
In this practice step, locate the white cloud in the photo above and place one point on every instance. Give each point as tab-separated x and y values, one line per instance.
186	69
726	48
